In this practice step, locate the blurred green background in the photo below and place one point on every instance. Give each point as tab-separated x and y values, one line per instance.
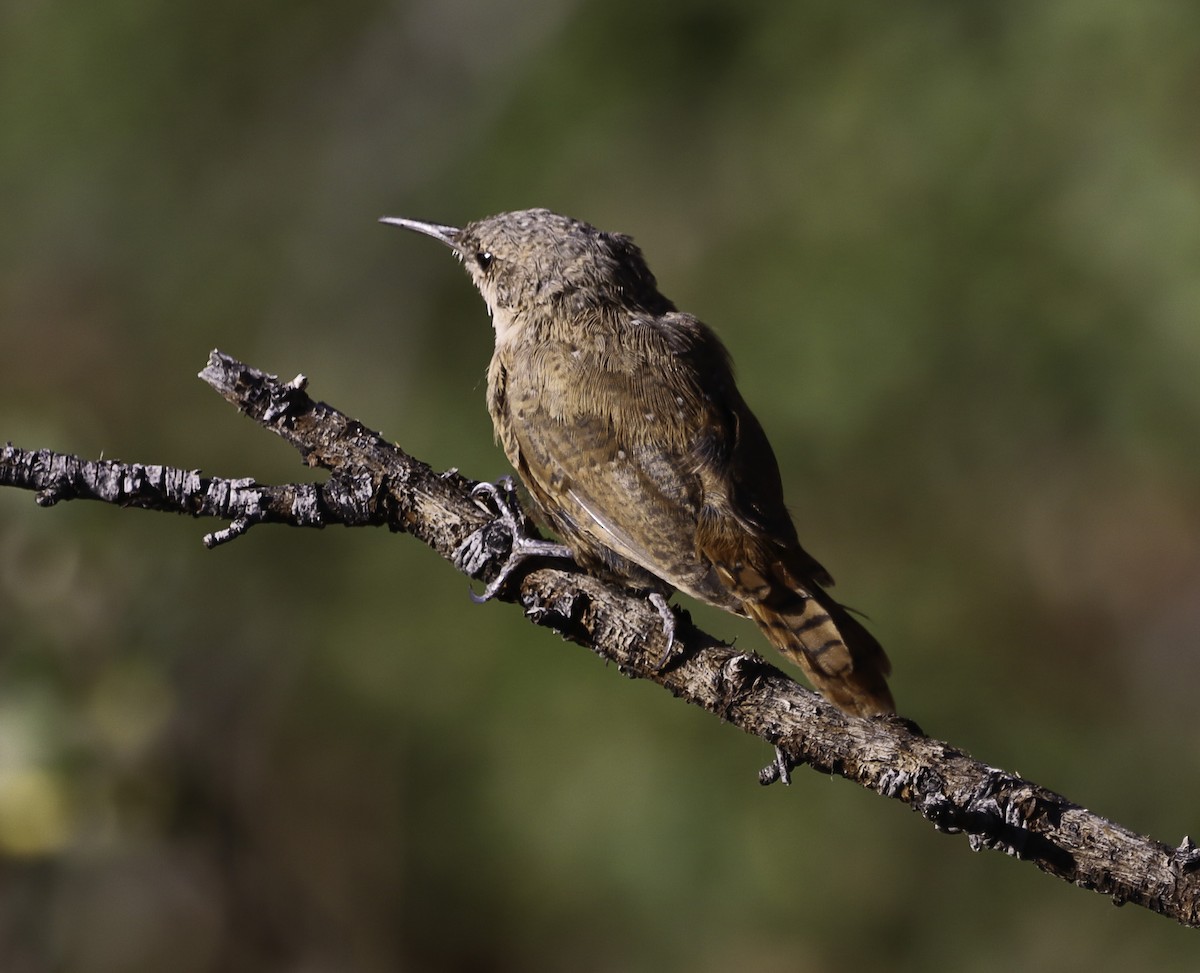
954	251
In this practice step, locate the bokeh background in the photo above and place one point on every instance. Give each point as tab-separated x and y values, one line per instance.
954	250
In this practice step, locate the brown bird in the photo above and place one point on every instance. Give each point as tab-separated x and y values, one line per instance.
621	417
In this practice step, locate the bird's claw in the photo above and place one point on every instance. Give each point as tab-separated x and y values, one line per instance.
482	546
503	500
668	620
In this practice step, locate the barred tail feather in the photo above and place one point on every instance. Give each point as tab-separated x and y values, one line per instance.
838	655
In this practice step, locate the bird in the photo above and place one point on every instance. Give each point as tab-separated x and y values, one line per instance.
622	419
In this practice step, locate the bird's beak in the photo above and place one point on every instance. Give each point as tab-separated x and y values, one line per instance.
446	234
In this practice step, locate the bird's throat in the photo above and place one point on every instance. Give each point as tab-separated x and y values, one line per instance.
506	324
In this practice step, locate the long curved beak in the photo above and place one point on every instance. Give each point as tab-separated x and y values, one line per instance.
446	234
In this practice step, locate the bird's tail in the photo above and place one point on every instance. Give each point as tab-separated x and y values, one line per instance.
839	656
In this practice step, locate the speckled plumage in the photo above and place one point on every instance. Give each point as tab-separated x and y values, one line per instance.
622	418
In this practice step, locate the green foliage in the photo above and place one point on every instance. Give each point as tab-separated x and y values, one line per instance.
953	248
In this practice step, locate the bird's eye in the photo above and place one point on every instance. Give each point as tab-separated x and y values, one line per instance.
484	258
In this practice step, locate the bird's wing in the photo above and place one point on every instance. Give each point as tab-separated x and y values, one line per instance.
605	438
616	502
639	446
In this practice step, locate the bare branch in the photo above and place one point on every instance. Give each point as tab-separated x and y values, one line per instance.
374	482
56	478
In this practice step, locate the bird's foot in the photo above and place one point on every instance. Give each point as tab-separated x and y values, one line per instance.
485	544
668	619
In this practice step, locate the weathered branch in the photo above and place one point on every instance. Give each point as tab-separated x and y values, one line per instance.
374	482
